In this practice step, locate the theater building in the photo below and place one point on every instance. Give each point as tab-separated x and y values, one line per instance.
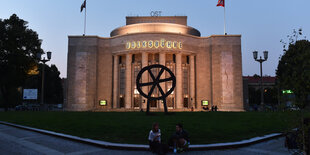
102	71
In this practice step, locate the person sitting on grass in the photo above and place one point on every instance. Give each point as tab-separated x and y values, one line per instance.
180	139
154	139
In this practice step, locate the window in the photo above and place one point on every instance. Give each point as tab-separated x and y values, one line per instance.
173	58
185	83
187	59
153	59
133	58
137	98
170	98
122	80
120	60
185	79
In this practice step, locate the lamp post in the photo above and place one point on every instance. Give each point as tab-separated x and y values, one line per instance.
49	56
261	60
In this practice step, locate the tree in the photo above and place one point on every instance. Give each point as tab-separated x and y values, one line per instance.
53	85
53	88
18	48
293	72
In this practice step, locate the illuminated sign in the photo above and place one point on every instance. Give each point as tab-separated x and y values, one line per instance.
162	43
103	102
30	94
205	103
287	92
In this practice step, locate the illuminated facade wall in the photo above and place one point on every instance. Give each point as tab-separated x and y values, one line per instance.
207	69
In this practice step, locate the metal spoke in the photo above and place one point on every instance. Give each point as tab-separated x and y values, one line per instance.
161	90
146	84
160	73
151	90
152	75
167	79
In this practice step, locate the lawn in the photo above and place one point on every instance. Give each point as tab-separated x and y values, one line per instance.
133	127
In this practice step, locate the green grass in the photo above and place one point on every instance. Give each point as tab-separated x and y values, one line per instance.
133	127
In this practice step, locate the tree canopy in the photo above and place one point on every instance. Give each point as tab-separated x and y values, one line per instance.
53	85
293	72
19	46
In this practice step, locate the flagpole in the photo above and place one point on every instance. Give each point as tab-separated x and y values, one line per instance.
85	20
225	21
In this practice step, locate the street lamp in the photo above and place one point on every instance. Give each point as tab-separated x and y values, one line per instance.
260	60
49	56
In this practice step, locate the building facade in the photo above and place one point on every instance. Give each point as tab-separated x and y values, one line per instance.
102	71
252	92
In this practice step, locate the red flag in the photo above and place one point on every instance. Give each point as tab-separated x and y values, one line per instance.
221	3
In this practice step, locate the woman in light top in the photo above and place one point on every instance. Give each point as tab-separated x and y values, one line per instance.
154	139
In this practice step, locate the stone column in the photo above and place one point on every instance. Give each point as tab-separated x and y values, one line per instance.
162	61
192	81
115	82
144	78
179	87
128	90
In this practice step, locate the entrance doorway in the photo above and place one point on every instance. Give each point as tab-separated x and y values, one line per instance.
170	102
137	101
185	102
121	102
153	103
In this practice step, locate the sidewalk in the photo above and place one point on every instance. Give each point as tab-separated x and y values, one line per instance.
120	146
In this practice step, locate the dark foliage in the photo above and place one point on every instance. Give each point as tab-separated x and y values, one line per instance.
293	72
18	47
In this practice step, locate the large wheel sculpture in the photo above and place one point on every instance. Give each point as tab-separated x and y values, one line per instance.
155	83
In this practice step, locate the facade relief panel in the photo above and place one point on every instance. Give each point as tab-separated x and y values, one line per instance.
80	77
227	71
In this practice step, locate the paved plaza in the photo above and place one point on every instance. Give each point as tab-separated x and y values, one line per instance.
18	141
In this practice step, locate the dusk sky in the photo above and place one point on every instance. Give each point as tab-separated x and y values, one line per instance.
262	23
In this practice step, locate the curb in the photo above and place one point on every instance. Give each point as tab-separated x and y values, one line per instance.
230	145
119	146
